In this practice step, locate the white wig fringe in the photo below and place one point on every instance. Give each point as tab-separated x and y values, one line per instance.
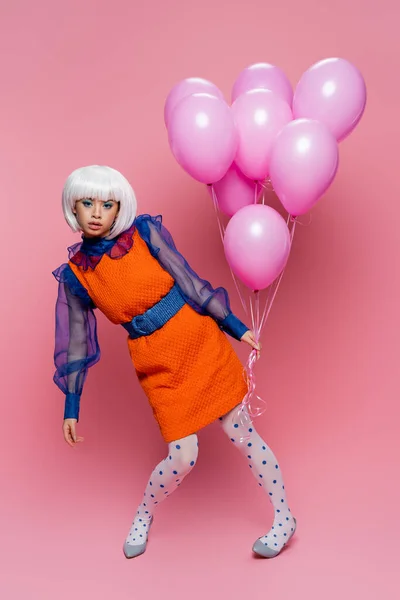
101	183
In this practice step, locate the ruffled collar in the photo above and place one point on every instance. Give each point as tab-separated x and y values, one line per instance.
89	252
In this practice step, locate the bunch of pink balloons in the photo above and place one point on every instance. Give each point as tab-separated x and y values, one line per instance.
267	132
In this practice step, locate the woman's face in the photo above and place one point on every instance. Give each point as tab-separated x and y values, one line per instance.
95	217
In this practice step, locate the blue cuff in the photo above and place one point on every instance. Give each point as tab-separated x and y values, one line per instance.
233	326
71	410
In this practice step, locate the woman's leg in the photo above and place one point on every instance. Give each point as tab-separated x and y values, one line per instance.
267	472
166	477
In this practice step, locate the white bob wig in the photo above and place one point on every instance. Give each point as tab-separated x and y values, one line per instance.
101	183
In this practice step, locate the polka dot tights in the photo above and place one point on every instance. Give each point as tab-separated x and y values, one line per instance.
266	470
182	456
166	477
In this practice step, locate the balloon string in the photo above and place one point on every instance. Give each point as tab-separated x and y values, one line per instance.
301	223
268	303
275	286
267	184
216	207
252	314
222	233
256	314
252	405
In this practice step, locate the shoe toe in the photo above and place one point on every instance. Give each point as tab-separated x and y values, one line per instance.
131	551
263	550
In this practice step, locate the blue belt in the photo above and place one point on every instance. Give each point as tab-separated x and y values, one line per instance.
157	315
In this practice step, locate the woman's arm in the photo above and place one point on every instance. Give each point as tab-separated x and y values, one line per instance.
198	292
76	343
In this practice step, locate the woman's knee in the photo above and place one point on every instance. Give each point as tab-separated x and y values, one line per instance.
231	424
185	452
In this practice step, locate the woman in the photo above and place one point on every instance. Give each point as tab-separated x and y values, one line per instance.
129	268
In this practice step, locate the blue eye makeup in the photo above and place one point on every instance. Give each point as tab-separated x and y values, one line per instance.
88	202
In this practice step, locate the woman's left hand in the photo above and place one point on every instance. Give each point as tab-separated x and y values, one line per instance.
250	339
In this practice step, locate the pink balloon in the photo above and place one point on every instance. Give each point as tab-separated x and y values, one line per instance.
234	191
263	75
332	91
187	87
259	115
203	137
304	162
257	245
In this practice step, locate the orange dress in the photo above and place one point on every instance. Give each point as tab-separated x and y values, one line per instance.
187	368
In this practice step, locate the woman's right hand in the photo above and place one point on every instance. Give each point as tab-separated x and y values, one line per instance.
69	431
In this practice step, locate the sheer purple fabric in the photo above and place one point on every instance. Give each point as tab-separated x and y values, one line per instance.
76	343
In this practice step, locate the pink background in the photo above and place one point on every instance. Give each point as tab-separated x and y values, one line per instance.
84	82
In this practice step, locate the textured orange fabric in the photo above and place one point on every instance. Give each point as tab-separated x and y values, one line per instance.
188	369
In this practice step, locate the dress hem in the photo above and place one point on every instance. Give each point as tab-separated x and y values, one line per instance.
192	430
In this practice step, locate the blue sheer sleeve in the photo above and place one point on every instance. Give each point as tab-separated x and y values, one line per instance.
76	343
198	293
